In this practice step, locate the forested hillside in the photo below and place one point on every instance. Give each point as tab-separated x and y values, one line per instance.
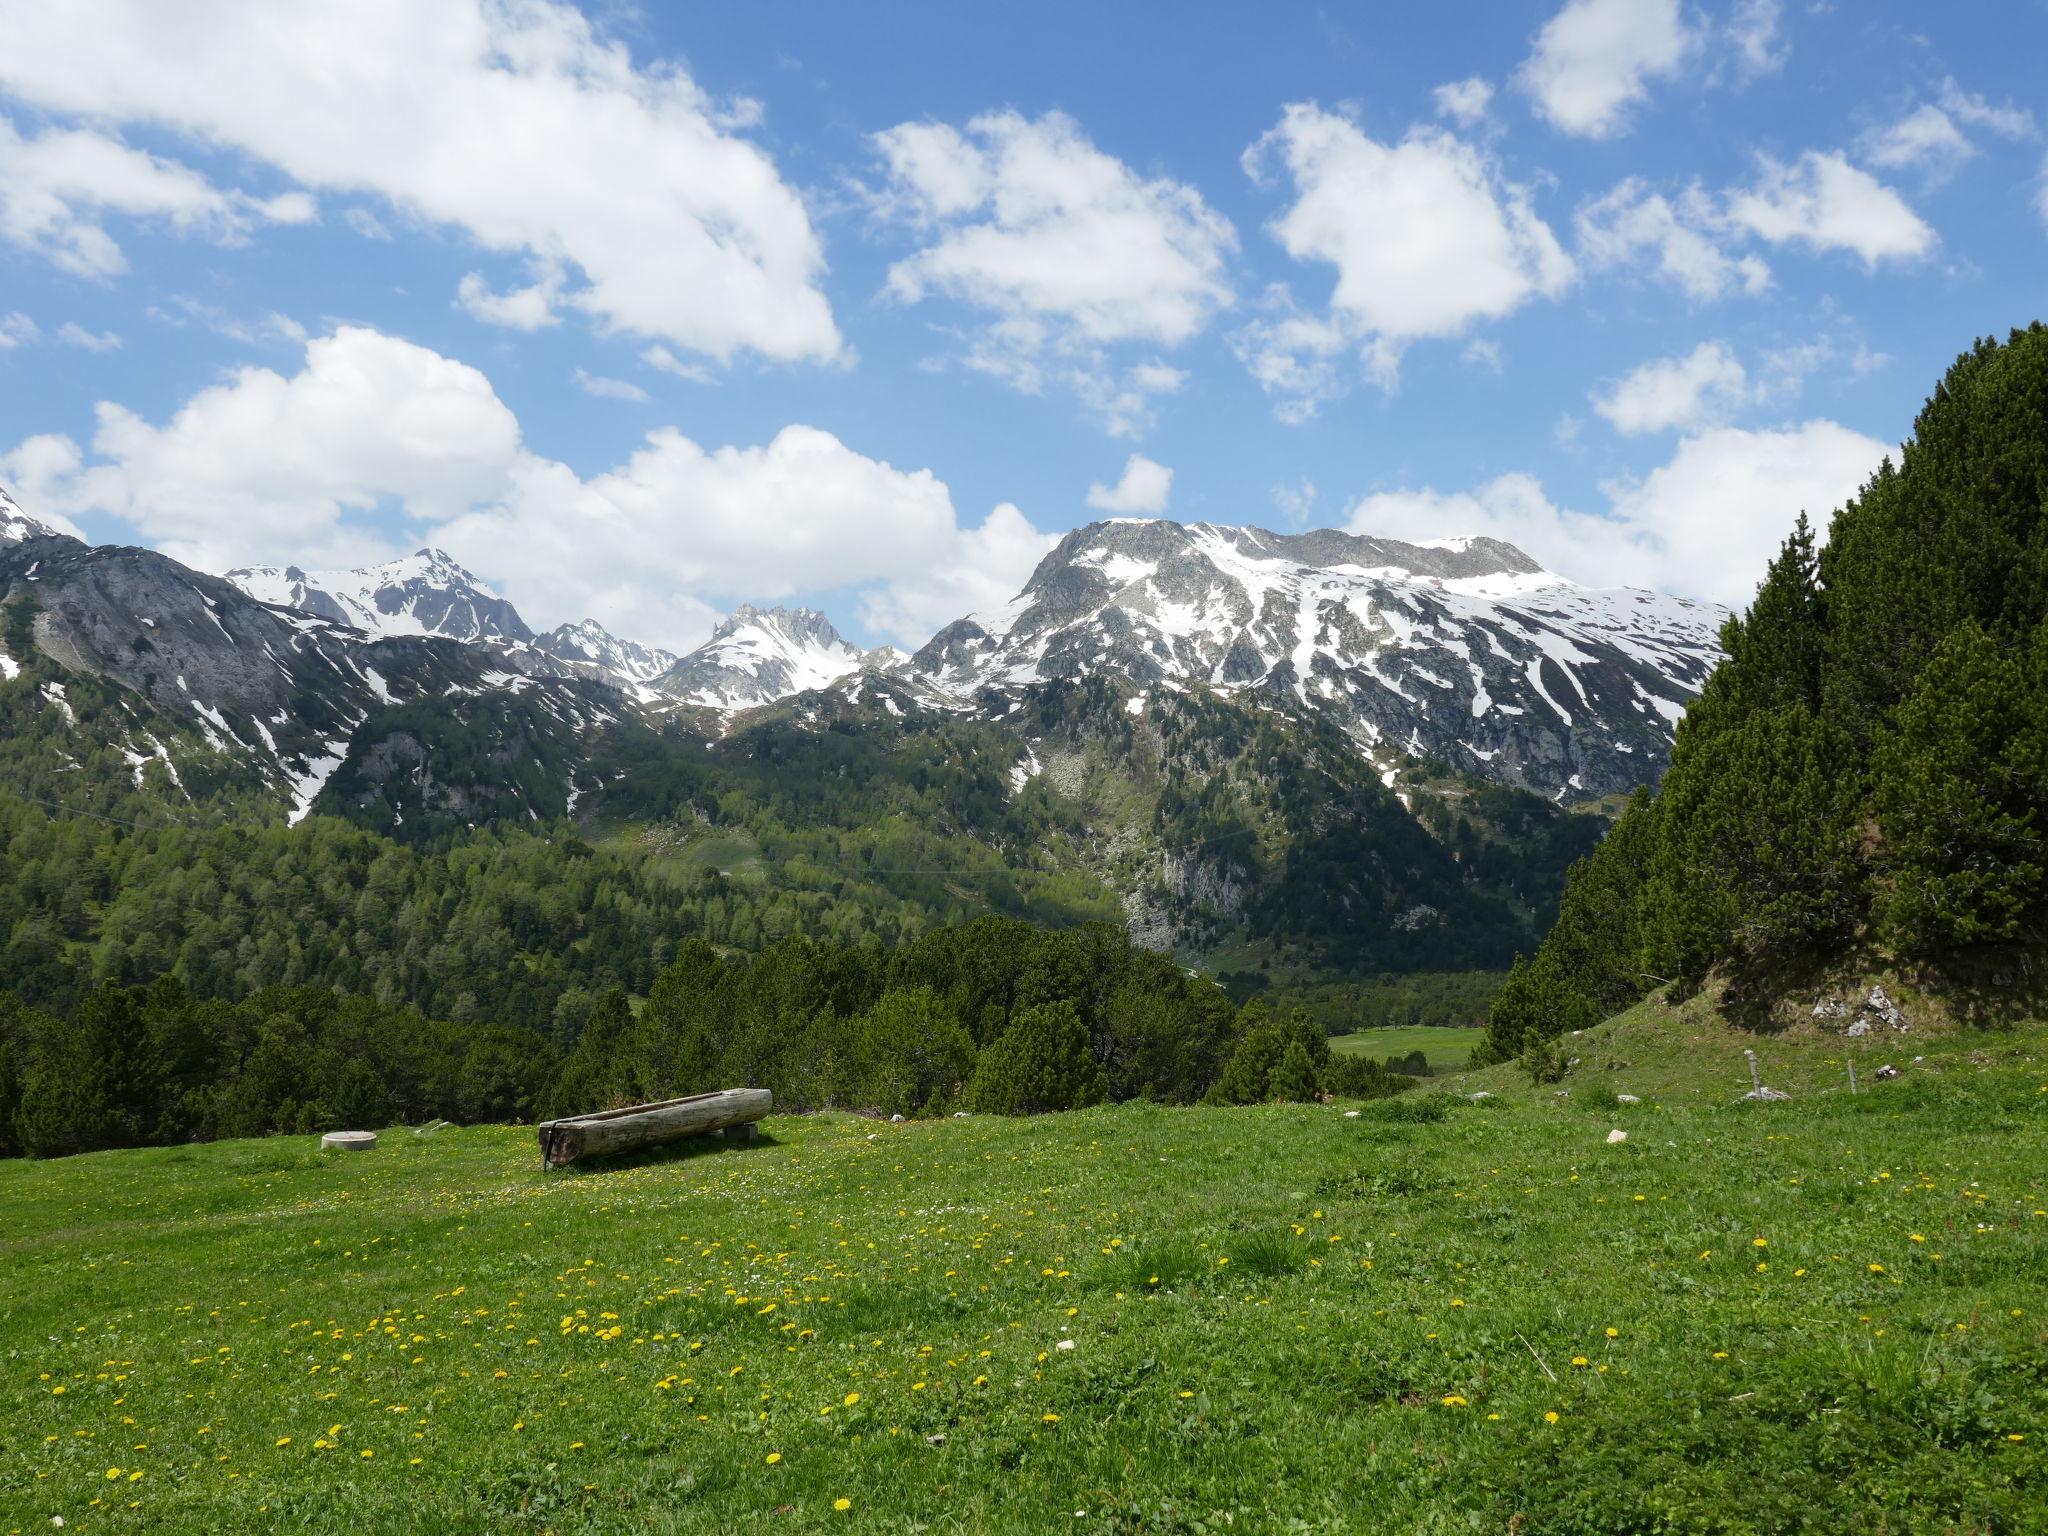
996	1016
1869	765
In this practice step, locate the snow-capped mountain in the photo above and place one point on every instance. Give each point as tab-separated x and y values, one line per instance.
423	594
760	655
1462	650
16	526
204	680
590	644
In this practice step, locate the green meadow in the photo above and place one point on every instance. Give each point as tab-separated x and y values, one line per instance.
1433	1314
1446	1049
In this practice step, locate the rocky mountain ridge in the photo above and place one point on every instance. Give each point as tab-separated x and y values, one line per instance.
1464	652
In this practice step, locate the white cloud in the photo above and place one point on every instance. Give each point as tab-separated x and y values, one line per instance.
1682	237
365	223
1703	524
974	571
1925	138
1825	203
1030	218
72	334
1930	138
1067	250
1676	391
57	187
1593	61
1753	29
2008	122
16	328
264	468
519	123
1427	238
660	357
1145	487
35	469
531	308
1294	500
1465	101
602	388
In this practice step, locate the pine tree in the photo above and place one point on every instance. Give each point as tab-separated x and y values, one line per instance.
1294	1079
1962	777
1042	1062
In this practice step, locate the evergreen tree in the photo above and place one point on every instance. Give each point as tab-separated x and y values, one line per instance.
1294	1079
1042	1062
1962	778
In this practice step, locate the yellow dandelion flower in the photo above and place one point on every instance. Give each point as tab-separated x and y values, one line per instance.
284	1440
1614	1333
774	1457
842	1505
852	1398
1550	1416
1052	1418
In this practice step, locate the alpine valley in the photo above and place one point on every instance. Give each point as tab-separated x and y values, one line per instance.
1307	755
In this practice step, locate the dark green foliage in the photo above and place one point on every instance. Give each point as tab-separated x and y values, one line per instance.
1274	1060
154	1066
1962	777
1871	756
498	928
1041	1062
1294	1078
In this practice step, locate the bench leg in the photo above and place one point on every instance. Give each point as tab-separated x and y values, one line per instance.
741	1133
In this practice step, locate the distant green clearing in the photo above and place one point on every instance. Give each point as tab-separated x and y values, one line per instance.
1446	1049
1440	1315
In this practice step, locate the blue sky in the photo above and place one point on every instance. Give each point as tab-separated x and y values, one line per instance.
893	289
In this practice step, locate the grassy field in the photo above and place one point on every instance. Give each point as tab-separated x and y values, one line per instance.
1437	1315
1446	1049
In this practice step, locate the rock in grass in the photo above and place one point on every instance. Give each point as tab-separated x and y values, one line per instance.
348	1141
1626	1098
1616	1138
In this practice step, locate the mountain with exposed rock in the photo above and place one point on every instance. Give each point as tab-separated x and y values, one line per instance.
759	655
1463	651
422	594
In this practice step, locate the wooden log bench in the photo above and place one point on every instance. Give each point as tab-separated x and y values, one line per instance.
732	1111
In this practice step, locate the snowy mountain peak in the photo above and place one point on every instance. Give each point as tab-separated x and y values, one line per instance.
17	527
758	655
425	593
589	643
1461	649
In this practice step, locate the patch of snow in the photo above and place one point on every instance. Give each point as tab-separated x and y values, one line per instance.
306	786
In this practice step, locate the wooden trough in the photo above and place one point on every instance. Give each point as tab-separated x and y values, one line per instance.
731	1110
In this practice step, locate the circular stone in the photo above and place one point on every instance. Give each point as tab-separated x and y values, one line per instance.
349	1141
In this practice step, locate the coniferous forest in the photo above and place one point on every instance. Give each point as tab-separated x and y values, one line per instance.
1868	767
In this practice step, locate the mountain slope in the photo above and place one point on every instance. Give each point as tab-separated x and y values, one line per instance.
758	656
16	526
423	594
1860	786
263	703
1465	651
589	643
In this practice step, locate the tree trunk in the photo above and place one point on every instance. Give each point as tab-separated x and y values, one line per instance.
648	1125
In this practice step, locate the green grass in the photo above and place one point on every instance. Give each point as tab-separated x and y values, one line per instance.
1445	1048
1282	1318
